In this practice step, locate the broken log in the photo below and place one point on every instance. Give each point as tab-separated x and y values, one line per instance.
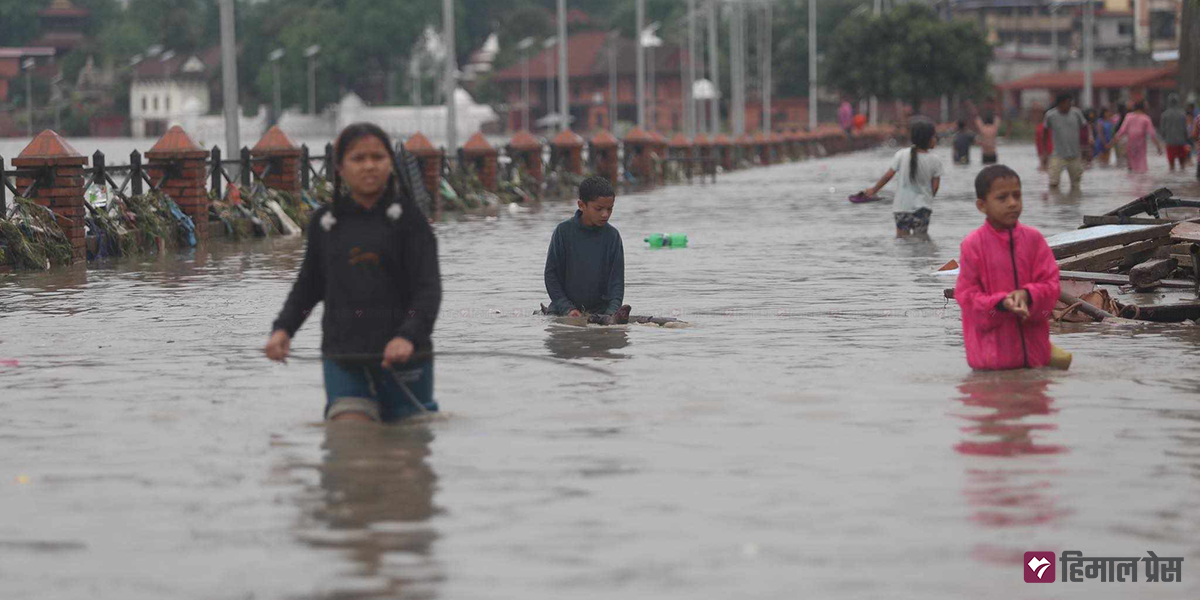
1148	274
1104	259
1120	279
1098	314
1163	313
1119	238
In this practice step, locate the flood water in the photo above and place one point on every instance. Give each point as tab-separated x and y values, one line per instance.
815	433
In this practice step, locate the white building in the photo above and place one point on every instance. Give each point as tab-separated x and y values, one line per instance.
167	87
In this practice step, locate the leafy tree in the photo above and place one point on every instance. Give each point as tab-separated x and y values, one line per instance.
907	54
19	21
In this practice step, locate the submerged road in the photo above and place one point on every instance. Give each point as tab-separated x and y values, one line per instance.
815	433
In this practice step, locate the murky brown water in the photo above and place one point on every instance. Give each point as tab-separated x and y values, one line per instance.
817	433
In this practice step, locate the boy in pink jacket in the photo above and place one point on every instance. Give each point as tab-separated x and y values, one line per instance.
1007	281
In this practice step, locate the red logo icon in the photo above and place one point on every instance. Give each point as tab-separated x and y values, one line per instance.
1039	567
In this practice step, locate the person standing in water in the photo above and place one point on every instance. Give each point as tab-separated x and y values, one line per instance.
1174	127
989	130
1137	129
920	177
1063	124
372	258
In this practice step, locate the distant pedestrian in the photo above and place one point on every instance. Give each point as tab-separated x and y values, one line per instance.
1137	129
963	138
1174	127
1102	133
920	177
989	130
846	117
1062	124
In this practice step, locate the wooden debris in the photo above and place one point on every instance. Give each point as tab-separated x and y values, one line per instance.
1148	274
1186	232
1116	239
1085	307
1110	257
1120	279
1093	220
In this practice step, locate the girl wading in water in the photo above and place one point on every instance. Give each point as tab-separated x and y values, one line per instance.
372	257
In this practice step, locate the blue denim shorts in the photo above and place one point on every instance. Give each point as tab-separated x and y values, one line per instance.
384	394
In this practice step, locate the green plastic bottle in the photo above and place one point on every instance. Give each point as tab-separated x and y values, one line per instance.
667	240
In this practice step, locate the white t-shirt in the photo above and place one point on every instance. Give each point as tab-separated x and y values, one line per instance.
910	194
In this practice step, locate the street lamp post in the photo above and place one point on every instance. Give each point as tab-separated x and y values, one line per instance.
311	54
450	81
812	64
691	103
28	64
641	65
523	46
613	36
1089	43
650	41
274	58
547	46
564	101
229	76
874	106
714	111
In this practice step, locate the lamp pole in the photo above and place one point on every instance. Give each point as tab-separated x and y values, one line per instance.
28	65
691	103
812	64
641	65
714	72
311	54
612	81
523	46
548	45
229	80
874	105
450	79
1089	44
564	101
274	58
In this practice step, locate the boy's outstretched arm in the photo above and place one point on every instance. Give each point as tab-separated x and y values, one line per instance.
559	303
616	278
1043	287
969	293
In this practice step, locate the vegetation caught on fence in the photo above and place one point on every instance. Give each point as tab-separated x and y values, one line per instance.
31	239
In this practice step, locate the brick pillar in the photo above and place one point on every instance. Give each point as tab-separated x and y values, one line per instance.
527	151
604	156
568	151
177	158
638	145
284	161
430	160
480	153
60	186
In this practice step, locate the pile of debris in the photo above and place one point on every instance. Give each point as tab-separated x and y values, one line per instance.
261	211
30	238
144	224
1140	261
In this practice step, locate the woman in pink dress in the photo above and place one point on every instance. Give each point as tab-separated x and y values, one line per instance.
1137	127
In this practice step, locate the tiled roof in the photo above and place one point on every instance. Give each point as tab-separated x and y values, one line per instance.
1116	78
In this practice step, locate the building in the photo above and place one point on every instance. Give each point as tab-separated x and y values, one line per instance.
588	69
1109	87
167	86
63	24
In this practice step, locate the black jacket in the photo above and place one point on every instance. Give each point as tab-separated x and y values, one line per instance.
585	268
377	272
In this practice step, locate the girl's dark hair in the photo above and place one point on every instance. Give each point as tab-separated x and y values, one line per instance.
1140	105
922	133
989	175
354	132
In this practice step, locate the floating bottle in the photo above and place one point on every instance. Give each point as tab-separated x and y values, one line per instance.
667	240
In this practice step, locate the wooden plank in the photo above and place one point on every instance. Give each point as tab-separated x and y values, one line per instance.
1093	220
1119	279
1098	314
1107	258
1184	260
1163	313
1142	204
1118	239
1186	232
1147	274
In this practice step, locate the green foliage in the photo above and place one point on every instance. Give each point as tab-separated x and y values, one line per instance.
908	54
19	21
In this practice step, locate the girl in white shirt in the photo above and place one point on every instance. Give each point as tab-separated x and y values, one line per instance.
920	176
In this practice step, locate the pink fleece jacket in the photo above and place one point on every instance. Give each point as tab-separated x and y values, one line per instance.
994	337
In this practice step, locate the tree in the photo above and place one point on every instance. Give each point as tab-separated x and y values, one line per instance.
19	21
907	54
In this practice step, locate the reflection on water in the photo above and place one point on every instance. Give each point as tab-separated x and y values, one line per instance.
375	501
1004	494
566	341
